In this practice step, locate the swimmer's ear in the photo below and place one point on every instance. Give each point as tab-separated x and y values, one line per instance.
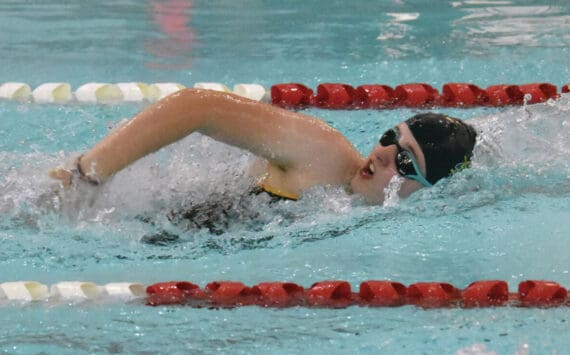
63	175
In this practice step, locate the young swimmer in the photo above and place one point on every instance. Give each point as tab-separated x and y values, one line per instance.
301	151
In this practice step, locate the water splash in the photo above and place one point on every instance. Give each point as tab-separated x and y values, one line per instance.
519	151
392	198
530	144
475	349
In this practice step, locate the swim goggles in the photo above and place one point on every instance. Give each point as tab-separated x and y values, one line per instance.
405	162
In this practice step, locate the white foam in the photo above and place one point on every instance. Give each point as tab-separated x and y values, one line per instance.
391	197
475	349
523	349
404	16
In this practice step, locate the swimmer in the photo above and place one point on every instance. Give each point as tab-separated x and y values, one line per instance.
300	151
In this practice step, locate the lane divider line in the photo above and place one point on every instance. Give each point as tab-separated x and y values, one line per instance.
337	96
323	294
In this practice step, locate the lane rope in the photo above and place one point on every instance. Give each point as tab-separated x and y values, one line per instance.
297	96
413	95
323	294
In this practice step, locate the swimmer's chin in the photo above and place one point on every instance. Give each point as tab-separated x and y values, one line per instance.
402	190
363	200
365	196
374	200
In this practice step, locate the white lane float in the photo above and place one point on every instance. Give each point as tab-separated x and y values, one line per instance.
125	290
15	91
251	91
137	92
75	290
61	92
212	86
23	291
165	89
70	291
99	93
52	93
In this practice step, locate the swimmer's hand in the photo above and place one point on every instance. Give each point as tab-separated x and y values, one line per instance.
69	177
74	190
65	176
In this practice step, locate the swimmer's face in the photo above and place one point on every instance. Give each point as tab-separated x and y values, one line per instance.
380	167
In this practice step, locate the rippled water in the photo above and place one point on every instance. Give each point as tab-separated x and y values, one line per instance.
506	218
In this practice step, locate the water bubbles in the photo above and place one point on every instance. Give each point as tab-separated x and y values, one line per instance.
538	138
526	99
523	349
475	349
391	197
100	216
23	108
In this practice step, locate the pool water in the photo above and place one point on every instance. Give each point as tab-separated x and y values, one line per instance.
506	218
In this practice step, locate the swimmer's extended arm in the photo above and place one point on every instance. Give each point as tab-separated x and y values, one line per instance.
290	141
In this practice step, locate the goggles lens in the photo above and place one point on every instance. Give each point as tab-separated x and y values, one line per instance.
405	161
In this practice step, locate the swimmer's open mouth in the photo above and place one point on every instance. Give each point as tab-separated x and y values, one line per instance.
368	170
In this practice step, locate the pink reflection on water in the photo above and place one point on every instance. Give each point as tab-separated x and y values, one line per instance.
178	38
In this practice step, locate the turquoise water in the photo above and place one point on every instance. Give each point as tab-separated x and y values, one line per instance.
507	218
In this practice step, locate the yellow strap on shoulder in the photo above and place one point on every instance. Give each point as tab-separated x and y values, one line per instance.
279	192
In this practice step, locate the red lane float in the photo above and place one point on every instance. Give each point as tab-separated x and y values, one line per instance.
230	294
541	293
336	294
539	92
463	95
173	292
382	293
372	293
291	95
415	95
500	95
279	294
433	294
373	96
485	293
334	96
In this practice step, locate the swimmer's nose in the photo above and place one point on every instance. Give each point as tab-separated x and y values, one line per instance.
385	155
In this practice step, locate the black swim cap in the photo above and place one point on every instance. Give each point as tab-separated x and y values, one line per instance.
447	143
